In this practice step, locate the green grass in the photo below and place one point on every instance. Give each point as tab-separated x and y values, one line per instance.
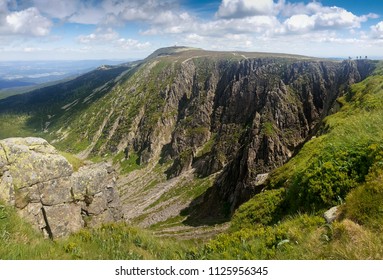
127	164
186	191
112	241
15	125
20	241
264	208
73	160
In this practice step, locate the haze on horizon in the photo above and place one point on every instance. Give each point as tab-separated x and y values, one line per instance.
122	29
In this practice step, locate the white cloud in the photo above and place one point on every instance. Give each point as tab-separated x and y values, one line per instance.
315	17
101	35
377	30
107	36
300	23
130	44
110	12
337	18
244	8
25	22
194	38
57	8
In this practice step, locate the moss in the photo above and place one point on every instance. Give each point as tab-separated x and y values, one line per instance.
268	129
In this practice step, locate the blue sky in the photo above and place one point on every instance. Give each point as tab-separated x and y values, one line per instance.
125	29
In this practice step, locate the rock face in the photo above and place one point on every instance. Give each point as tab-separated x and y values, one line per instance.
238	117
240	114
42	186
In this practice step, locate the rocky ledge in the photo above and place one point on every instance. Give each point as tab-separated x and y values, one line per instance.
42	186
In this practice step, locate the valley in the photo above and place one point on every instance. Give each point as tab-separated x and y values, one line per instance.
224	155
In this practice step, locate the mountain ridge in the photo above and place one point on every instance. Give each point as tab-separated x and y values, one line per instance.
238	114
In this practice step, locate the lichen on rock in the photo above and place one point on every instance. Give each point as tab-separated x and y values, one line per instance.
41	185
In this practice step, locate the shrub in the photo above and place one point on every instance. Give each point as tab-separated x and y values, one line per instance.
264	208
364	204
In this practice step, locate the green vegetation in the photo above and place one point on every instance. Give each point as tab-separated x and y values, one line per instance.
127	164
268	129
14	125
265	208
73	160
185	190
364	204
113	241
207	147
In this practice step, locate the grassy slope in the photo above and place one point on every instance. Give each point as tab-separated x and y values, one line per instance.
114	241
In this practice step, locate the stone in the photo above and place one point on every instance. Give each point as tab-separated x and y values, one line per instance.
32	161
41	184
56	191
3	161
79	186
261	179
111	194
332	214
7	192
92	179
63	219
98	205
33	214
103	218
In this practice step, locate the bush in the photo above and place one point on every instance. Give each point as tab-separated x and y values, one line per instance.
264	208
364	204
328	180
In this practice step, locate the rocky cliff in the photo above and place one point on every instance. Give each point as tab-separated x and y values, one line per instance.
42	186
237	114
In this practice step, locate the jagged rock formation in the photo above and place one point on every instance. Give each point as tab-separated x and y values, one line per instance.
240	114
42	186
284	105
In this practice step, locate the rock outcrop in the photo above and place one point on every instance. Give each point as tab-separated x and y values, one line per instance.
41	185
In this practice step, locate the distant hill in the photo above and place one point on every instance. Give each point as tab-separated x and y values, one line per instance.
13	83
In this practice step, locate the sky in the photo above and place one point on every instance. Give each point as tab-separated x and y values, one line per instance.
132	29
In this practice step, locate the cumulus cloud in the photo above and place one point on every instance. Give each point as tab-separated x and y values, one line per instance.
300	23
107	36
377	30
244	8
314	17
24	22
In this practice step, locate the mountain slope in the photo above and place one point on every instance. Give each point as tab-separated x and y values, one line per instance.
229	118
194	134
